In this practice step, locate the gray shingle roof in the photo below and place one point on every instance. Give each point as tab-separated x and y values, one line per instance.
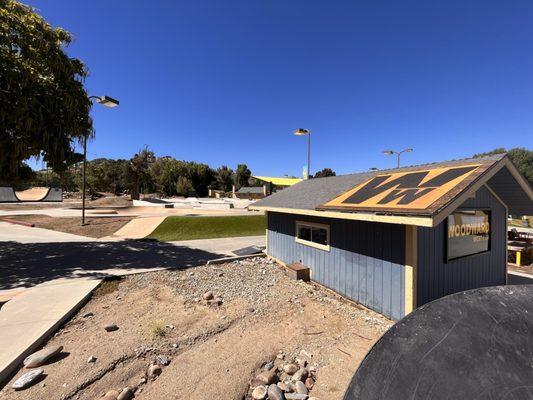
251	189
309	194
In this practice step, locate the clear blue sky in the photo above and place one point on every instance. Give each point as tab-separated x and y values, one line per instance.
224	82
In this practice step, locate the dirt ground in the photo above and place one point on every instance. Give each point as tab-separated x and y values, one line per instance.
96	227
215	350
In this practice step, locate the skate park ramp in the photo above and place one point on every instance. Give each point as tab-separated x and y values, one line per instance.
7	195
36	194
469	345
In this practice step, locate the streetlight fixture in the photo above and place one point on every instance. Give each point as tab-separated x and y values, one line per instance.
306	132
398	153
108	102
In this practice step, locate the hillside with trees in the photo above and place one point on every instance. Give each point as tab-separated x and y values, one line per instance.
146	173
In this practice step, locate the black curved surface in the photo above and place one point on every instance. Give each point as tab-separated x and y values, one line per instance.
471	345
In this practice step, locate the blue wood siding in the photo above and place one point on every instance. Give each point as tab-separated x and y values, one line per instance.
437	278
365	262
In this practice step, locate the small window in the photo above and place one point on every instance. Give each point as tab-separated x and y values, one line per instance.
312	234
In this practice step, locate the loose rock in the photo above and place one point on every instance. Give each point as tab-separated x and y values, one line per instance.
88	314
268	366
300	375
28	379
208	295
268	377
295	396
154	370
126	394
309	383
275	393
259	393
112	393
40	357
111	327
290	368
91	359
161	359
299	387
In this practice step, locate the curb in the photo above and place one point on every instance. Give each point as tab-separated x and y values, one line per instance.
235	258
15	222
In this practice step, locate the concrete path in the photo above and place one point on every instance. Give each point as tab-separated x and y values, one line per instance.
33	315
47	275
137	228
23	234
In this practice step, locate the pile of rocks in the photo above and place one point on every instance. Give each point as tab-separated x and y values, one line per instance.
281	380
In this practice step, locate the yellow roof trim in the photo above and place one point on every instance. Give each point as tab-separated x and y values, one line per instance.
278	181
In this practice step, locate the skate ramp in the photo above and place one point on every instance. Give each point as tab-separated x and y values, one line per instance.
7	195
36	194
470	345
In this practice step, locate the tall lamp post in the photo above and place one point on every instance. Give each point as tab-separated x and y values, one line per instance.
109	102
398	153
306	132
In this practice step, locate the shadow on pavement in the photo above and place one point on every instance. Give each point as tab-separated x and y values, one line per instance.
28	264
519	280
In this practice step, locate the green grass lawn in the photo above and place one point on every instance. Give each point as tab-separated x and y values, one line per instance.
189	228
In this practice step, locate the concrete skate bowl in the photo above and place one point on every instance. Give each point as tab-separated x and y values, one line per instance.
469	345
36	194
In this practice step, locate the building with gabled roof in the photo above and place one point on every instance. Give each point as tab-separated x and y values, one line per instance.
395	239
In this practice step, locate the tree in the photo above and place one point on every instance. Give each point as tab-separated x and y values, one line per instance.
138	171
165	173
521	157
325	172
242	175
184	186
224	178
44	106
201	177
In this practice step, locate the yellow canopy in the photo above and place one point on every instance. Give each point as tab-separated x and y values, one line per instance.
278	181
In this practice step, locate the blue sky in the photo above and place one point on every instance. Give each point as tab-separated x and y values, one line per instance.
225	82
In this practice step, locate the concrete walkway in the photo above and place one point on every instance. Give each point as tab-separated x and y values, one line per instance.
47	276
137	228
30	317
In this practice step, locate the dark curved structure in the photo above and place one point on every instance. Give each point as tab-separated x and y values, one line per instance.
8	195
471	345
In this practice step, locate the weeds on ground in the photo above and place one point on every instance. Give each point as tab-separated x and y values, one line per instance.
107	286
158	329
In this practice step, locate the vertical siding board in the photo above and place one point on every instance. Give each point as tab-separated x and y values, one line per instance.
439	278
365	262
387	277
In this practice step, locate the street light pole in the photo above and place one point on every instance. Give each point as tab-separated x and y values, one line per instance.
398	154
109	102
306	132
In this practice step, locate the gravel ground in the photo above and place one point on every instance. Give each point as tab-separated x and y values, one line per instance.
214	350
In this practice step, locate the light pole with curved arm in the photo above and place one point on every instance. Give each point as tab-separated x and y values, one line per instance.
306	132
398	153
109	102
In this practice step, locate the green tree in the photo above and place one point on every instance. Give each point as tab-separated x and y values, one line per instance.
184	186
201	177
521	157
224	178
165	173
138	172
242	176
44	107
325	172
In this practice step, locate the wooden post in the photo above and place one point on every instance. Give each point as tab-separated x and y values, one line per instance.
411	260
